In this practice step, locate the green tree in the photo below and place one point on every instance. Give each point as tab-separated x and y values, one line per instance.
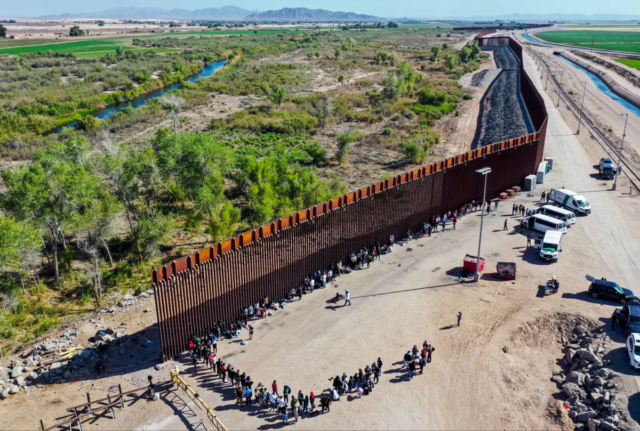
20	246
341	79
392	24
450	61
3	31
277	95
344	141
76	31
88	123
412	151
322	109
224	224
317	153
435	50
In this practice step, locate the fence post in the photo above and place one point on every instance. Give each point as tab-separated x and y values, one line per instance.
121	396
89	401
41	425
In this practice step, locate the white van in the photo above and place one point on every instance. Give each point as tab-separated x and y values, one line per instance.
551	245
556	212
543	223
570	200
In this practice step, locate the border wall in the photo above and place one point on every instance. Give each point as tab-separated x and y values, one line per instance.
218	282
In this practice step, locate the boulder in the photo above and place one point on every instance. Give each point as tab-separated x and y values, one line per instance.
20	381
159	367
14	389
571	389
608	426
16	372
558	379
596	397
55	366
33	376
588	355
103	336
603	372
127	297
66	375
572	401
591	425
585	416
569	354
580	330
575	377
599	381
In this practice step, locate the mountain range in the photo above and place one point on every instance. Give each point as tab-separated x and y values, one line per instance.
304	14
225	12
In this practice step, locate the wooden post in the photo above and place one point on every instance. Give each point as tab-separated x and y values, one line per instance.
121	396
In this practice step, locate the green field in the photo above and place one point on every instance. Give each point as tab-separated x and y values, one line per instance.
626	41
631	63
92	48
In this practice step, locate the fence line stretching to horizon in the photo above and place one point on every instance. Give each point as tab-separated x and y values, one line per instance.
218	282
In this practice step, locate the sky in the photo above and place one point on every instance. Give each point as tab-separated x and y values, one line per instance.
383	8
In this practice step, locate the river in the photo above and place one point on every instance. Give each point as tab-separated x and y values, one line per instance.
108	111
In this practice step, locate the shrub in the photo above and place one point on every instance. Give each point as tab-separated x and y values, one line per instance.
387	131
412	151
317	153
344	140
467	97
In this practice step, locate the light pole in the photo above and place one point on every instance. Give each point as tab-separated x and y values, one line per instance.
485	172
582	107
624	133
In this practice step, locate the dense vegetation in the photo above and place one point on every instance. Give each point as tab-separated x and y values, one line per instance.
88	213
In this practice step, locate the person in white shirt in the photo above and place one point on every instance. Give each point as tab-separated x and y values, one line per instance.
347	297
312	284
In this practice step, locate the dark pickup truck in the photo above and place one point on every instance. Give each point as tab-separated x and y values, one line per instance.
606	169
628	317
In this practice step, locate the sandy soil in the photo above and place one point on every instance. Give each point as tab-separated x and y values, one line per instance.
413	295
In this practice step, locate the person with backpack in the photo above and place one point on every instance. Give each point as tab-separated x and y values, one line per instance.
286	392
239	396
422	364
407	358
429	353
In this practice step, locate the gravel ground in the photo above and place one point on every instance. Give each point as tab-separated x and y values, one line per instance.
501	115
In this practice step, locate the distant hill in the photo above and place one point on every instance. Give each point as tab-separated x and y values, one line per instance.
304	14
225	12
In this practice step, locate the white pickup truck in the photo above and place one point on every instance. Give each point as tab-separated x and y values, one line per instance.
570	200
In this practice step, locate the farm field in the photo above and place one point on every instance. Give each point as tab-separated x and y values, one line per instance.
626	41
92	48
631	63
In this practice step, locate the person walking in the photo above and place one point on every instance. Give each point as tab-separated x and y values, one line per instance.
528	240
455	220
505	225
347	297
430	351
459	317
274	388
294	407
412	369
250	332
305	408
414	352
312	400
239	396
286	392
248	394
422	363
285	416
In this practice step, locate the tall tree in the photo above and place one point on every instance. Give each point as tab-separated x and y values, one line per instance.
20	246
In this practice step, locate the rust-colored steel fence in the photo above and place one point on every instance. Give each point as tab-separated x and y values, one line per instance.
218	282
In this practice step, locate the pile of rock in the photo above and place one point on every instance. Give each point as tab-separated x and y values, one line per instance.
127	302
15	378
588	385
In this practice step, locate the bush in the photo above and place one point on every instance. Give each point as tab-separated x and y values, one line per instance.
467	97
414	152
387	131
317	153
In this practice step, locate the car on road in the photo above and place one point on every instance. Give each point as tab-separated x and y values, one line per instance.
606	289
628	317
606	168
633	348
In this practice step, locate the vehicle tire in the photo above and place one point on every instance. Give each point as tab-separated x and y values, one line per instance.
594	295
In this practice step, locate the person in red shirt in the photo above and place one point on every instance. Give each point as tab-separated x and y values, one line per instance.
274	388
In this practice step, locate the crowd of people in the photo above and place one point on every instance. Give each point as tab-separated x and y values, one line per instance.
423	356
203	349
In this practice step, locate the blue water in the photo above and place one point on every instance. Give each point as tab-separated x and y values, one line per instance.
101	114
530	39
603	87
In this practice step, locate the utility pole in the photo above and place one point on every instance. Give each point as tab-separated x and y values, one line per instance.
624	133
485	172
592	41
560	88
582	107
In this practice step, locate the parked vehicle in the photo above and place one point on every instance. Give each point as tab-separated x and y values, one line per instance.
633	348
628	317
606	168
551	245
543	223
556	212
606	289
570	200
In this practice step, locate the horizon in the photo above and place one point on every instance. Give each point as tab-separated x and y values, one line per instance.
400	9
